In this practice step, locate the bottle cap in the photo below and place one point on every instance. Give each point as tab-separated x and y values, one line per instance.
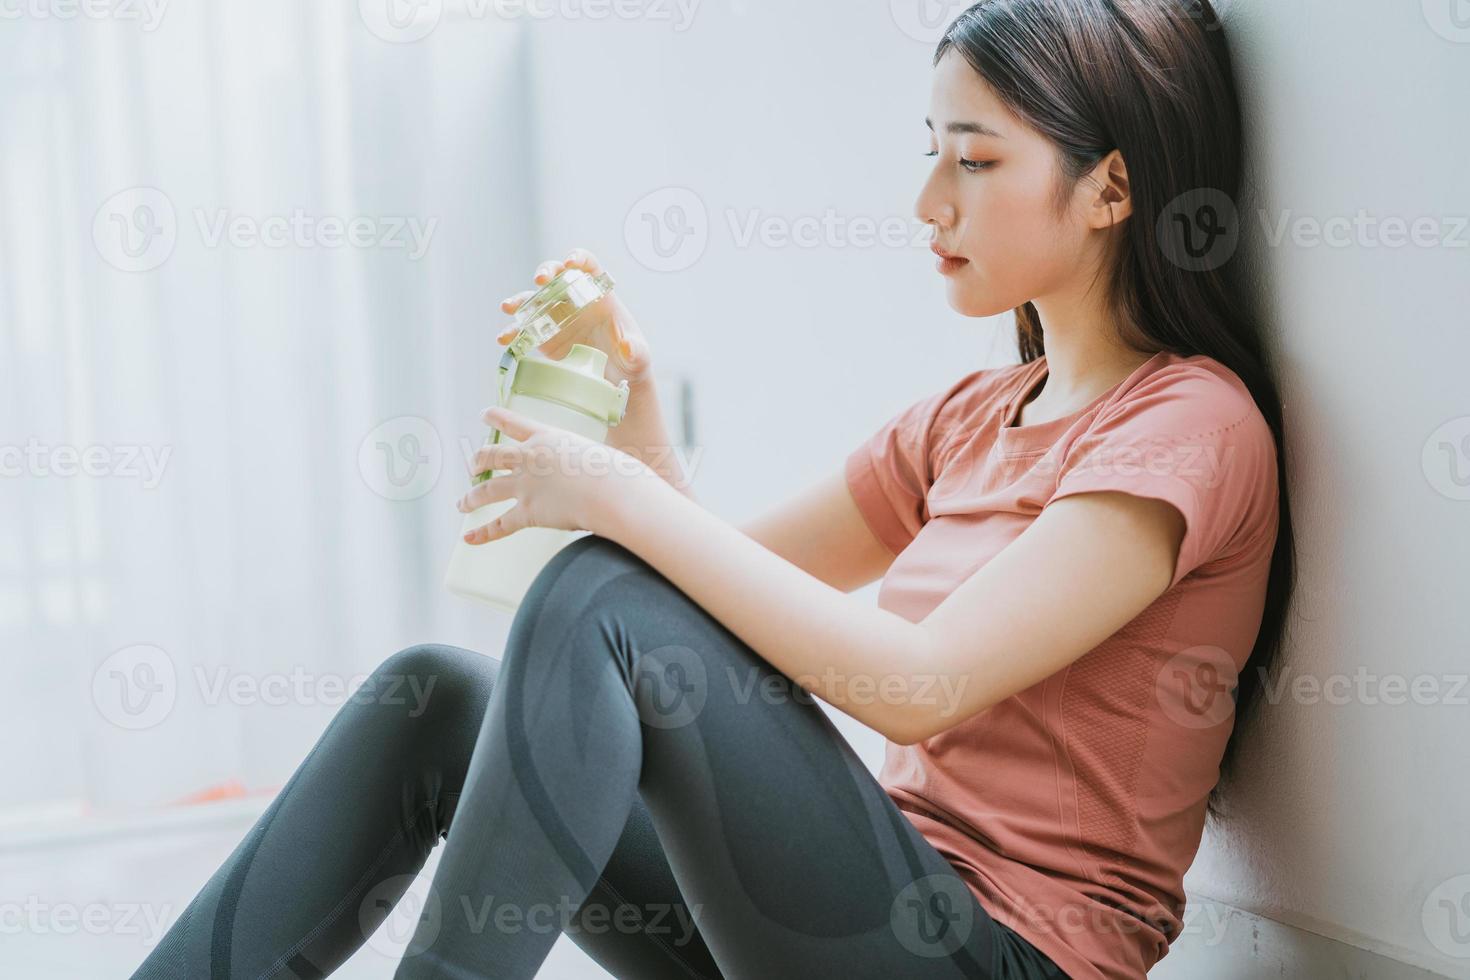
555	305
575	381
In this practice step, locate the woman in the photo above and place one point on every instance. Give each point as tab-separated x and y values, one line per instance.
1083	557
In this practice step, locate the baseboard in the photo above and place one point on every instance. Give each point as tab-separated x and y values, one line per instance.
87	830
1221	942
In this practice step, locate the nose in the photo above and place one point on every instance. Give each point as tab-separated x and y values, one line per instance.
932	209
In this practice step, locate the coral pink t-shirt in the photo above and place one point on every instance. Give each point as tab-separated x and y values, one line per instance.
1073	808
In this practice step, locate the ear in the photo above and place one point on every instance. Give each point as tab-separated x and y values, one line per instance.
1112	200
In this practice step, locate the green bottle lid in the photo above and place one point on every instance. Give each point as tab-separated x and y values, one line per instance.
575	381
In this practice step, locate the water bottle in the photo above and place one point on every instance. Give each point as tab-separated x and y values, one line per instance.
571	393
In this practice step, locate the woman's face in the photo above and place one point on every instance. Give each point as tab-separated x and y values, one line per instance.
991	199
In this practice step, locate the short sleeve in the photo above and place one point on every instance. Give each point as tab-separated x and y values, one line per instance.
889	474
1191	438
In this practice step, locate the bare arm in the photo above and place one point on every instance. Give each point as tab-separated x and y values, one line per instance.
822	532
995	635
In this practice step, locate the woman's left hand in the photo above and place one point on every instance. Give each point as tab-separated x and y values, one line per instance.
558	478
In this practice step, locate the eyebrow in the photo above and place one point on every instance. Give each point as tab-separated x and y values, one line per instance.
977	129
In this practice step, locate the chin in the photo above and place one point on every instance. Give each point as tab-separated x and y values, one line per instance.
969	301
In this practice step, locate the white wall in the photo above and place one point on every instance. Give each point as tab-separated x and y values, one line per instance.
805	122
1356	828
1357	812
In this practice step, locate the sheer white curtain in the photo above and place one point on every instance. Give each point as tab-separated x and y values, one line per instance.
250	262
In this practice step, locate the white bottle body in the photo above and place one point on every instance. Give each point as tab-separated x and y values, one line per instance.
500	572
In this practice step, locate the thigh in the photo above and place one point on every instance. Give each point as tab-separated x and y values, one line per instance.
790	856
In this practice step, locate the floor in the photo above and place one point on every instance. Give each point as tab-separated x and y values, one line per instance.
91	909
88	903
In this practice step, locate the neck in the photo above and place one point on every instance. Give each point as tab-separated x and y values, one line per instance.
1084	358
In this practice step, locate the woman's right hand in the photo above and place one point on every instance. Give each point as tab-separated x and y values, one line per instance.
607	324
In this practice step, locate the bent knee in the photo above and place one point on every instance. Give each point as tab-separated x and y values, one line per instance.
431	678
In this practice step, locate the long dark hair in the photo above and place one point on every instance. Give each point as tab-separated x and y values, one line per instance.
1152	79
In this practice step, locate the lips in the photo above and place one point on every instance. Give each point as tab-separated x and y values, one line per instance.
942	253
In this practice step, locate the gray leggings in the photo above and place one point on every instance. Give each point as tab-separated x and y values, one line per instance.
630	773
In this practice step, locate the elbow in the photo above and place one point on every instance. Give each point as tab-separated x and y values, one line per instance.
918	723
910	728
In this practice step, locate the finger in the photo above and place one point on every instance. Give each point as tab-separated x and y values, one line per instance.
584	260
496	456
495	489
508	333
513	424
508	523
513	303
546	270
636	354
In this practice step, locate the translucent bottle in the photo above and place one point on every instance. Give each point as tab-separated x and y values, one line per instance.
570	393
